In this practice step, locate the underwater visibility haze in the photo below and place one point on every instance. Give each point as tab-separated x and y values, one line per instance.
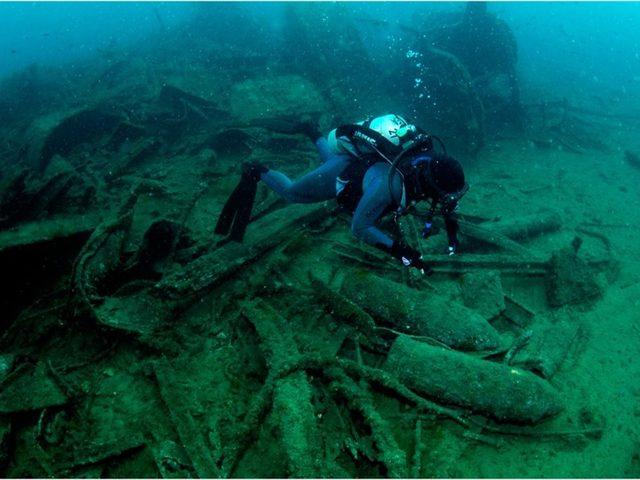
319	239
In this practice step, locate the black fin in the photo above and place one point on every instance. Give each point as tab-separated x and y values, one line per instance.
236	212
243	213
228	211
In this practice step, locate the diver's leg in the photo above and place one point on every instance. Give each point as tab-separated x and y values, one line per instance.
325	151
316	186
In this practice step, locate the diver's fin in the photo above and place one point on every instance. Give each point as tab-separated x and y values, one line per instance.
236	212
243	213
228	212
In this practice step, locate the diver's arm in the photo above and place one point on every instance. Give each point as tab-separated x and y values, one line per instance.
375	200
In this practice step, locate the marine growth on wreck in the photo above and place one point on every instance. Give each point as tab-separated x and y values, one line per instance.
135	342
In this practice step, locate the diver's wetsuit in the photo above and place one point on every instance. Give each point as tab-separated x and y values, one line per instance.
321	184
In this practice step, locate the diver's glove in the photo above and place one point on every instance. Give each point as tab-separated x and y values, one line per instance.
408	256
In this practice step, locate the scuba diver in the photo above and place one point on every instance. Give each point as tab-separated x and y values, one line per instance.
372	168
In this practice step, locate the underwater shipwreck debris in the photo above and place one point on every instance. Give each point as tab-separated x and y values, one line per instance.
217	266
547	345
487	236
101	259
147	307
505	393
516	313
560	126
570	279
188	430
482	292
81	127
415	312
470	262
343	309
438	74
189	107
97	451
231	142
287	390
336	37
292	395
527	227
30	387
171	460
476	89
160	241
26	196
143	150
275	96
125	133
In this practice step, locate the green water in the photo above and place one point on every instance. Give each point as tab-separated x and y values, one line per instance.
135	342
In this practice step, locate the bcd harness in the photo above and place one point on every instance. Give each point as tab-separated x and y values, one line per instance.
370	147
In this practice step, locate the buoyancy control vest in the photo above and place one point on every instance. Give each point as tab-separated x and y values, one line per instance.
382	139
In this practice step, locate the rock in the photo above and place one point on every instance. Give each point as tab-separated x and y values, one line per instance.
482	292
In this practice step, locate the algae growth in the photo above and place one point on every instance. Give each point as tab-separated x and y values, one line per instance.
136	343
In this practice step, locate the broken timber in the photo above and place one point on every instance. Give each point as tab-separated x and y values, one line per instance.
467	262
215	267
188	430
292	396
495	238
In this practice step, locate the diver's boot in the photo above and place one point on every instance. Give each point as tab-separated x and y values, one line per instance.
236	212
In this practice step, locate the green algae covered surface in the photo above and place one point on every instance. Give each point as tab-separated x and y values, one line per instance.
135	342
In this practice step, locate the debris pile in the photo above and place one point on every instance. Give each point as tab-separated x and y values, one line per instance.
136	343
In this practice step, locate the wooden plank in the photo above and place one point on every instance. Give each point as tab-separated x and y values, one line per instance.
292	396
48	230
465	262
215	267
188	430
493	238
